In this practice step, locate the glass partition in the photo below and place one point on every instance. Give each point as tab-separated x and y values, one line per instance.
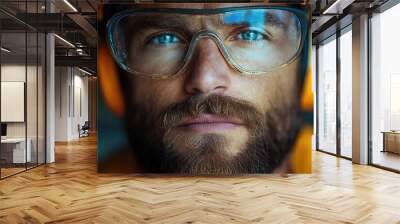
22	88
327	95
14	151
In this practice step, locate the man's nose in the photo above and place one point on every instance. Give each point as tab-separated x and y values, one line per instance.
208	71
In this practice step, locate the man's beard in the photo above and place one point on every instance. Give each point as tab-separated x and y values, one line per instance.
154	138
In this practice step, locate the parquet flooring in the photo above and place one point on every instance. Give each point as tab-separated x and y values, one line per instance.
71	191
10	171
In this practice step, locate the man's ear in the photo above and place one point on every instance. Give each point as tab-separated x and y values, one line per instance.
109	81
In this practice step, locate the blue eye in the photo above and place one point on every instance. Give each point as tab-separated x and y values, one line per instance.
165	39
251	35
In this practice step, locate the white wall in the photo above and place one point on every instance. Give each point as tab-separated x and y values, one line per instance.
71	102
10	73
33	127
61	103
16	73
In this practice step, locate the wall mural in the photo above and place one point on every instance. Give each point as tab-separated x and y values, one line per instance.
204	88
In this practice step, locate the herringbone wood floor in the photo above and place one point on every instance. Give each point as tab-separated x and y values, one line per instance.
71	191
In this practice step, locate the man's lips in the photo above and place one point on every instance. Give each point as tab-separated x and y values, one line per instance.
210	122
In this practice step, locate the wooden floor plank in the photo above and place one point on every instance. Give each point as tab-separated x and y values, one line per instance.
71	191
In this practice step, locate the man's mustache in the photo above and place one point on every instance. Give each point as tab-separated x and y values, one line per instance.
220	105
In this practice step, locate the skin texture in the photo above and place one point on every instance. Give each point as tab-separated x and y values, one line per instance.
204	149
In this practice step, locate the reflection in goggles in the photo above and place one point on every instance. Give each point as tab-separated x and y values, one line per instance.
159	44
255	16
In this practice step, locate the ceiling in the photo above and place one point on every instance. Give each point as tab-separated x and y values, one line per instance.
76	23
22	21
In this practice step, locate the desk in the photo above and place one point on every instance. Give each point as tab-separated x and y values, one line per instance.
13	150
391	141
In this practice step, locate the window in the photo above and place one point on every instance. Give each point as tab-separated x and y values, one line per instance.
385	89
346	92
327	95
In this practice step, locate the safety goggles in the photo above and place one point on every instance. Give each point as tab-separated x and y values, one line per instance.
160	43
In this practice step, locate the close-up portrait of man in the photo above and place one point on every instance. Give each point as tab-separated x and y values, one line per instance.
205	88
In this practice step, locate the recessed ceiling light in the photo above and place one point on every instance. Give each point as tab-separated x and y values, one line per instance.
337	7
65	41
84	71
70	5
5	50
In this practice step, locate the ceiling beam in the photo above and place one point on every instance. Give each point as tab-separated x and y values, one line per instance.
78	61
84	24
